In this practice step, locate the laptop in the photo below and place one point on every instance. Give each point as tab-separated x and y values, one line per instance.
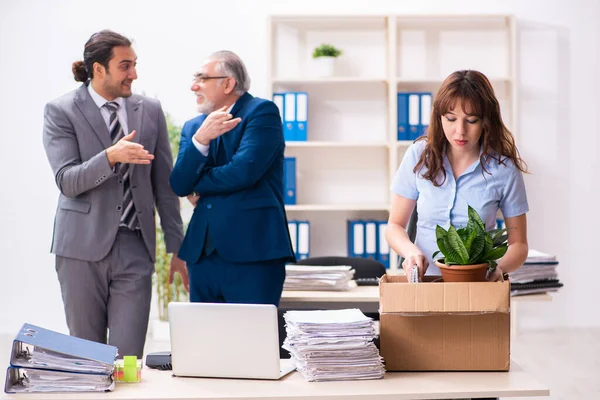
224	340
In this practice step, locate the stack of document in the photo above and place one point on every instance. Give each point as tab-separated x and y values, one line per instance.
538	274
46	361
333	345
314	277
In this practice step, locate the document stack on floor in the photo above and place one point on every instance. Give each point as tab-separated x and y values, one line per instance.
311	277
333	345
45	361
538	274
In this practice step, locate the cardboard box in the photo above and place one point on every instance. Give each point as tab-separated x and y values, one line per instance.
435	326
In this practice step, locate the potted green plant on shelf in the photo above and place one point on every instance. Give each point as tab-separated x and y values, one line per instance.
166	292
324	58
469	252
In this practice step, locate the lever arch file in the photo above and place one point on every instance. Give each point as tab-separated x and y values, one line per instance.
46	361
36	347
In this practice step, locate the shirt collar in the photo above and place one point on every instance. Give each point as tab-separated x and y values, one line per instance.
471	168
101	101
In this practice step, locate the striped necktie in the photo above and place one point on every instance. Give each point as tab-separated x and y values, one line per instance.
128	213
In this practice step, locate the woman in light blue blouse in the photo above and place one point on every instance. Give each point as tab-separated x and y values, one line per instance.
468	157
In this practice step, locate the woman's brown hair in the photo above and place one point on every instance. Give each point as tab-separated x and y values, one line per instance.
497	142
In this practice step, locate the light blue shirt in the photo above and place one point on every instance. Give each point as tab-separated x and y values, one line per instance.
504	189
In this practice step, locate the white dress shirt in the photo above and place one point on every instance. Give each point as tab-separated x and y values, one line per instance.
121	111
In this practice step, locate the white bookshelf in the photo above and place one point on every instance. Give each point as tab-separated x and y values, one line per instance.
345	168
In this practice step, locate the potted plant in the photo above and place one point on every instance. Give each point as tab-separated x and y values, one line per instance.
324	59
470	251
166	292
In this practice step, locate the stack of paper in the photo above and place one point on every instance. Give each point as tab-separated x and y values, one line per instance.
333	345
46	361
314	277
538	274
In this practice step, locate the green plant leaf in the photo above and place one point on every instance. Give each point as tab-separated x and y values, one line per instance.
473	216
326	50
500	240
495	254
445	247
464	234
435	254
457	245
489	243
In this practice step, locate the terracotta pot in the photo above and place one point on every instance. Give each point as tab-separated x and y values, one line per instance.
463	273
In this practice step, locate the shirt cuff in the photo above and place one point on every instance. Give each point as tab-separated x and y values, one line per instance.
201	148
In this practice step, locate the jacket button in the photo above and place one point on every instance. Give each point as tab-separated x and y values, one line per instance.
119	208
120	181
209	206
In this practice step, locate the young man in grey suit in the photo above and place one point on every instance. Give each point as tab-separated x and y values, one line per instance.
111	158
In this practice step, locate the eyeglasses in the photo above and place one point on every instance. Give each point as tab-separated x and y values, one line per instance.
201	78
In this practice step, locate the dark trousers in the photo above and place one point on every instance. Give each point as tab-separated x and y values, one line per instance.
214	280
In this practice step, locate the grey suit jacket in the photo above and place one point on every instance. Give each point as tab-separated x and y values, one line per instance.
87	218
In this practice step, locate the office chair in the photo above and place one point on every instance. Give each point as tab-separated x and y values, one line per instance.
411	229
363	267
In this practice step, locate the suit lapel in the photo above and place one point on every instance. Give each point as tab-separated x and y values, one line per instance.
237	107
134	107
91	113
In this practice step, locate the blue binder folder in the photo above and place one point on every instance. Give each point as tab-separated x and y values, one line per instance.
96	357
293	229
42	360
403	116
289	180
301	127
383	253
356	238
289	116
303	240
371	239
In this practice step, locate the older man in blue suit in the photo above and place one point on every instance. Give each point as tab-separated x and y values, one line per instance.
230	165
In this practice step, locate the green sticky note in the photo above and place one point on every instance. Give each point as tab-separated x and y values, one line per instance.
130	368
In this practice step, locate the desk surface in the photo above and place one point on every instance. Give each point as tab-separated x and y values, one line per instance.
367	294
395	385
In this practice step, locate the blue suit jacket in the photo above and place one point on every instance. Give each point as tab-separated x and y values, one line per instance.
241	201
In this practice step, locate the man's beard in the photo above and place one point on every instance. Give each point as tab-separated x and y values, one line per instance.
206	107
116	90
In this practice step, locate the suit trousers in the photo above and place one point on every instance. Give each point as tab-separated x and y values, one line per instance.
112	294
214	280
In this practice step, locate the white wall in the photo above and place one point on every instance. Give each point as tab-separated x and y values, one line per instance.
39	40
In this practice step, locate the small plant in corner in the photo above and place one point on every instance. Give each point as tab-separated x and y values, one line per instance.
470	251
326	50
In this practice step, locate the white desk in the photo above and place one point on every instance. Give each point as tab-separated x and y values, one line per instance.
364	297
395	385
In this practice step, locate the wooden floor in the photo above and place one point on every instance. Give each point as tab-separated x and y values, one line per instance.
566	361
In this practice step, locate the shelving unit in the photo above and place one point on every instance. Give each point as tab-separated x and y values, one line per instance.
345	168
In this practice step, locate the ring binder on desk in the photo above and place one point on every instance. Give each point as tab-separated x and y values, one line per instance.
46	361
